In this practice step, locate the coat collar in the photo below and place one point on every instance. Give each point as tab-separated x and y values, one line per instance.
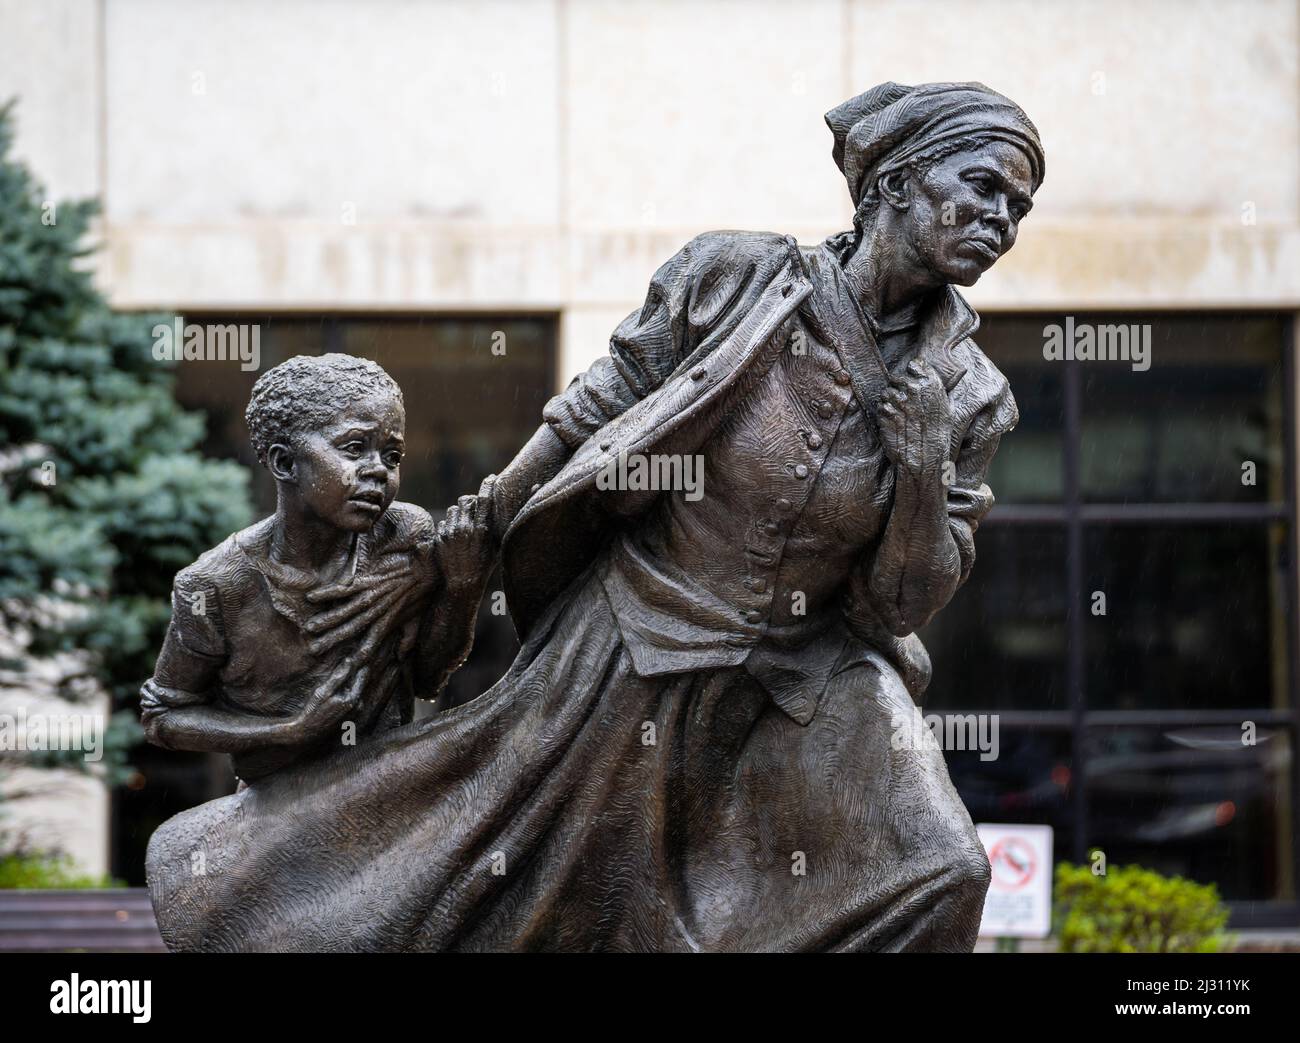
944	323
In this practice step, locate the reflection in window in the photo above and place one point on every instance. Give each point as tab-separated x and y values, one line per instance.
1028	467
1029	782
1181	431
1196	802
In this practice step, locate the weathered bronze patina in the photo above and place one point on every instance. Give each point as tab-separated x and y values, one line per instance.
695	748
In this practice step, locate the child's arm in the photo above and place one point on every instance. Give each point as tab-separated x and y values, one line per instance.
464	555
180	720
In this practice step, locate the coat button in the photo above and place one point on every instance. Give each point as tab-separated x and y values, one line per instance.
699	373
825	410
783	505
841	377
758	586
800	471
772	529
753	616
814	441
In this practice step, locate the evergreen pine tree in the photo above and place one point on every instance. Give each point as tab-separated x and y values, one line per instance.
103	497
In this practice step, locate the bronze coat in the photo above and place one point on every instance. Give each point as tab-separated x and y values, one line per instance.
716	317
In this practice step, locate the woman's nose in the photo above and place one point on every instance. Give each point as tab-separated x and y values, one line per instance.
999	217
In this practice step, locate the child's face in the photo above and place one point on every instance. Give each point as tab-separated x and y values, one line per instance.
348	472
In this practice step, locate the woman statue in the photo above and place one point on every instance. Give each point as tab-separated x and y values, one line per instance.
697	747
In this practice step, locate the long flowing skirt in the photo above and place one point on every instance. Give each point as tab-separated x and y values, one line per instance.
578	806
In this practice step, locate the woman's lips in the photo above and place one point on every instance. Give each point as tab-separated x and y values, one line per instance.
984	248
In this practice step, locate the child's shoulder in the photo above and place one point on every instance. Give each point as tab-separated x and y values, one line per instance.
402	525
220	580
226	566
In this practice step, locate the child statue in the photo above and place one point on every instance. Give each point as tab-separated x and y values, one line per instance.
254	664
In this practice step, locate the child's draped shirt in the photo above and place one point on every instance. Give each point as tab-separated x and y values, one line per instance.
236	638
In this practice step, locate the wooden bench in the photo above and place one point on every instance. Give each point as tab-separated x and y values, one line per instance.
107	920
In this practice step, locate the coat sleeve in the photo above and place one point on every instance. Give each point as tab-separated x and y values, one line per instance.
969	500
645	348
696	302
969	497
695	298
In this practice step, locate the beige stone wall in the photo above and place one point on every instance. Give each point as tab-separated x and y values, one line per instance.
51	810
551	153
59	810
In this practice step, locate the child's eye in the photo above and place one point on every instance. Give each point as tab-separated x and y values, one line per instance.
392	459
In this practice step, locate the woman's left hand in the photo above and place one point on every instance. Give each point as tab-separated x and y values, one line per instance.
915	420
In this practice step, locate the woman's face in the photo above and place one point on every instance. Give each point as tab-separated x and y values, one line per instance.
966	208
348	473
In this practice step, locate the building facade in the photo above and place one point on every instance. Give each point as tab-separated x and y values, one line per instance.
407	180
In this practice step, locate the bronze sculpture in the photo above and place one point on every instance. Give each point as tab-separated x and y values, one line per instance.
692	749
249	667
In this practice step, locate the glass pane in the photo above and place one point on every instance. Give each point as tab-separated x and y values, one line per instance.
1027	468
1181	431
1000	644
1195	802
469	408
1193	616
221	389
1028	782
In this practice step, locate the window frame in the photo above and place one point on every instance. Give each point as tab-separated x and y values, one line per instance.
1074	514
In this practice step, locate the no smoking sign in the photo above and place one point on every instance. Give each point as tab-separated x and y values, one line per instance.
1013	862
1019	903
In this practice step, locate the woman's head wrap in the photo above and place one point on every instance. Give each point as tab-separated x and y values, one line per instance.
889	126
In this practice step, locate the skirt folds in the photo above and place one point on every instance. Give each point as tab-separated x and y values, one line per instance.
578	806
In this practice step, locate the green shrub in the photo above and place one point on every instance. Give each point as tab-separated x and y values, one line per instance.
1131	909
32	872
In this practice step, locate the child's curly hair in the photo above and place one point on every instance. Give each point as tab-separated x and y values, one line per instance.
307	391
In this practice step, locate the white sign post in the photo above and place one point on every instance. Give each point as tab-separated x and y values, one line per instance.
1019	903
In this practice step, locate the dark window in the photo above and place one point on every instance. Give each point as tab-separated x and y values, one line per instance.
1167	491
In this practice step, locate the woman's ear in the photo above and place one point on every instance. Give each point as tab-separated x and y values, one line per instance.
895	190
279	461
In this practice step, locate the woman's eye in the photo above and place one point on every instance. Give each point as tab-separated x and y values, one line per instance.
352	448
982	183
